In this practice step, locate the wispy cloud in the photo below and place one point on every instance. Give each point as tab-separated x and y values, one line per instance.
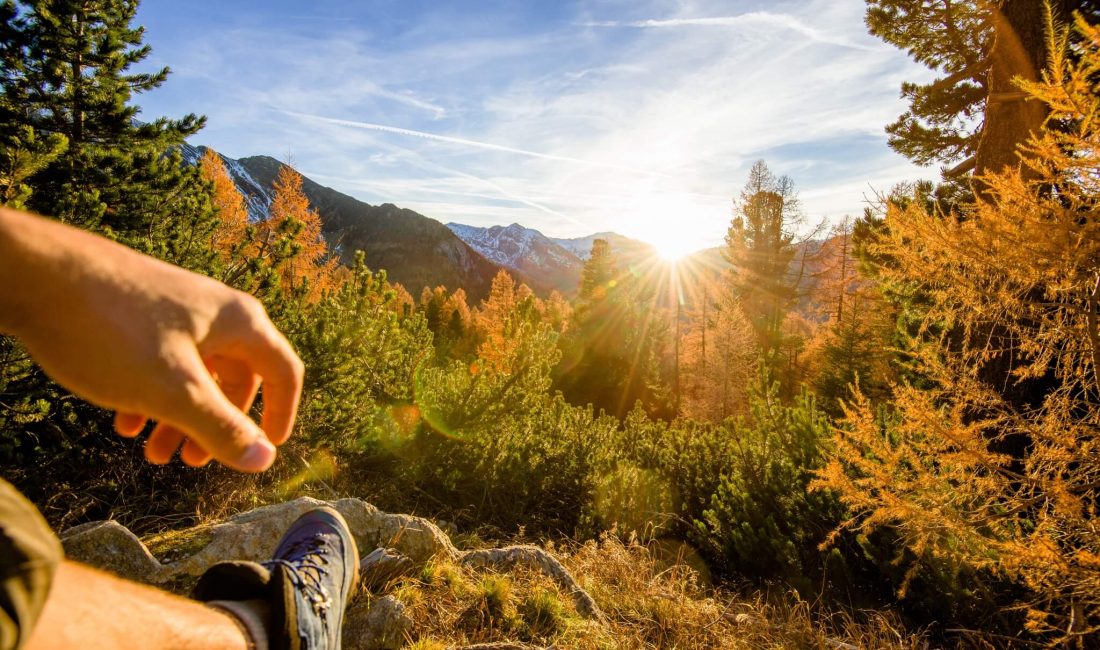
470	143
746	20
636	115
407	99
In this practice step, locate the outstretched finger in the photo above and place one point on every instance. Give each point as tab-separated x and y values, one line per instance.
239	385
218	426
194	455
128	425
163	443
270	355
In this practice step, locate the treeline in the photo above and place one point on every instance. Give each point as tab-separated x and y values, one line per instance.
904	410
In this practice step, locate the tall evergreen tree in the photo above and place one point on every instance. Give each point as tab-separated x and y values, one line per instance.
972	116
760	246
66	78
72	148
599	271
954	39
616	349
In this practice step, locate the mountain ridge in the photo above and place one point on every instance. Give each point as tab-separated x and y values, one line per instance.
416	251
525	251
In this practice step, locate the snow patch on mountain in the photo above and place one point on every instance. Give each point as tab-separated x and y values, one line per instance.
526	251
514	246
257	199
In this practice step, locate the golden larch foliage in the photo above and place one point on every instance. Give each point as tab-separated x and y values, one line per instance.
493	320
229	237
1014	279
308	267
718	357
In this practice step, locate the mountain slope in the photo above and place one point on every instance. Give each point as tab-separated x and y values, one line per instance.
622	246
256	197
527	252
415	250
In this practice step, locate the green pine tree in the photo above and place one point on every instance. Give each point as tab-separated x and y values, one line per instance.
66	78
760	247
71	147
599	273
973	115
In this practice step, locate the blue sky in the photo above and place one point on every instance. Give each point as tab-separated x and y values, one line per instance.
572	117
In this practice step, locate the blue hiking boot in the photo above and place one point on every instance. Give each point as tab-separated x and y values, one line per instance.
307	583
316	569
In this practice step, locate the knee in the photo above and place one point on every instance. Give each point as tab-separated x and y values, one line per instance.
29	556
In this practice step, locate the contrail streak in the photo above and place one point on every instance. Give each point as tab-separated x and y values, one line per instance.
470	143
419	161
786	21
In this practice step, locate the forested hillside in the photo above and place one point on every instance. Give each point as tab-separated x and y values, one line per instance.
893	417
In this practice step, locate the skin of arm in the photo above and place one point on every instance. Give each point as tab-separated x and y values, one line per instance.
149	340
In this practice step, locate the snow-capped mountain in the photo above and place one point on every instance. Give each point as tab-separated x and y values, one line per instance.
257	197
624	248
416	251
526	251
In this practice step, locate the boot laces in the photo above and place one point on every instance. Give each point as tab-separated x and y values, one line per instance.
307	571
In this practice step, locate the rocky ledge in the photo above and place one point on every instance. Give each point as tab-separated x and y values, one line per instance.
375	620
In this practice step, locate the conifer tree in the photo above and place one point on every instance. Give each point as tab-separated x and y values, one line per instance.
720	359
431	305
497	323
1016	275
403	303
558	312
292	231
973	115
852	345
616	351
953	38
229	238
760	247
66	77
71	147
598	273
22	155
458	333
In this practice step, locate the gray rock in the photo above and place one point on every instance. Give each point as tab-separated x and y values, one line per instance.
533	557
377	624
253	535
382	566
402	542
111	546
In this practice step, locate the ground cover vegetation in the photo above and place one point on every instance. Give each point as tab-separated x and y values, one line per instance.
899	413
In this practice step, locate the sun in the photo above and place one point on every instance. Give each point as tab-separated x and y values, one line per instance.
675	226
671	247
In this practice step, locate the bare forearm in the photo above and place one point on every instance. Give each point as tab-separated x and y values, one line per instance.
19	257
39	259
149	340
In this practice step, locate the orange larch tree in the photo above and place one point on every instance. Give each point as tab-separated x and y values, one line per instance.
1015	276
293	231
230	235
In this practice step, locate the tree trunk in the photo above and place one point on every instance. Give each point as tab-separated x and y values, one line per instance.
1019	51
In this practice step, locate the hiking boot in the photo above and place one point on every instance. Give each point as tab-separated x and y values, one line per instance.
316	569
307	583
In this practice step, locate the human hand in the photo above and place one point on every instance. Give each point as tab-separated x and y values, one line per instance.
151	341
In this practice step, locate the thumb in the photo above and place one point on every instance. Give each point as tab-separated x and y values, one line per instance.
223	430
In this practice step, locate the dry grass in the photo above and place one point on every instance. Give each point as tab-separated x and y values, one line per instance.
647	604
